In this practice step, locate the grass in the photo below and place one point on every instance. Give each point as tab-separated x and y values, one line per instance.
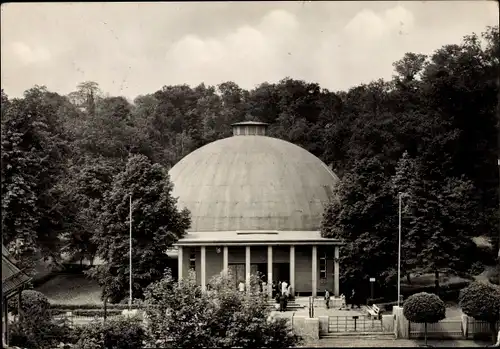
71	289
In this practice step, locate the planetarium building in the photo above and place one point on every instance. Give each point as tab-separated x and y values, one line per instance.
256	204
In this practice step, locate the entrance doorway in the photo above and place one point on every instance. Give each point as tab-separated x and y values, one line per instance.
281	272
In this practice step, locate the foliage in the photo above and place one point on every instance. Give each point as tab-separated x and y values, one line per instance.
481	301
90	306
440	108
181	315
361	198
87	183
424	308
35	328
33	150
117	333
439	218
157	224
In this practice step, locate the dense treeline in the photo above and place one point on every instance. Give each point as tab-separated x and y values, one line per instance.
433	124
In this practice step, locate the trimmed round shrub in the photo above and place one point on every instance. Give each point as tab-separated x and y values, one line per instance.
35	328
33	303
482	302
424	308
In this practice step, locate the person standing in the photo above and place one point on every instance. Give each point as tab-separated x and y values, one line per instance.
327	299
284	286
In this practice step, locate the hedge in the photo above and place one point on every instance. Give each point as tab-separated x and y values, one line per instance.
87	312
91	306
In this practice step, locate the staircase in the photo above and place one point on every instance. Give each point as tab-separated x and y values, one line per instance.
291	305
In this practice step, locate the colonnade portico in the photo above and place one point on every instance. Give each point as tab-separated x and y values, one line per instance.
309	254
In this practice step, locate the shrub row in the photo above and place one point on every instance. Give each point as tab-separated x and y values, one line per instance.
89	306
87	312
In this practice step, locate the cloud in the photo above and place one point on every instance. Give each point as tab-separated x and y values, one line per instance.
30	55
250	53
136	49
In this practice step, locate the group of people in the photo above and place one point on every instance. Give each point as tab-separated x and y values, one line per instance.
354	300
282	292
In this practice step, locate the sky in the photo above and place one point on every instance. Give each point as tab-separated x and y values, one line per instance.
133	49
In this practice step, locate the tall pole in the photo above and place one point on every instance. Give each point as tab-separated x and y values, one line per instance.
399	252
130	254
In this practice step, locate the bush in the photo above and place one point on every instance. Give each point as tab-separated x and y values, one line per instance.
181	316
424	308
36	328
33	303
120	333
88	312
476	268
70	307
482	302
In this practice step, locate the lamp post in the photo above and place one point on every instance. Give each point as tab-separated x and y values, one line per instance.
400	196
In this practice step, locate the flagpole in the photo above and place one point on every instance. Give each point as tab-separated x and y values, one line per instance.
130	254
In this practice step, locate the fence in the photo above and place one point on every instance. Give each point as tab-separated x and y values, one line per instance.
451	329
83	317
444	329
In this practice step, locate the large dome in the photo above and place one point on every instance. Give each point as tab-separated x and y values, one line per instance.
252	182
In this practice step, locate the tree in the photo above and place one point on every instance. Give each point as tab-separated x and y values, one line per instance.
87	184
439	220
86	96
424	308
181	315
157	224
34	150
363	214
482	302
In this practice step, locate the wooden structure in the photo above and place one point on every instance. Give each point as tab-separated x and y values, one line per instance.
13	283
256	204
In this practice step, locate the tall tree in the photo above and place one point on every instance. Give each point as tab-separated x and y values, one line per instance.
33	156
156	221
440	221
362	198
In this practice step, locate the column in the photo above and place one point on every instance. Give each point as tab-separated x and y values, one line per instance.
203	268
247	267
225	260
336	272
180	262
314	270
292	268
269	271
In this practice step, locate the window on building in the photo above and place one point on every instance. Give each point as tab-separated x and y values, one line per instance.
192	260
322	267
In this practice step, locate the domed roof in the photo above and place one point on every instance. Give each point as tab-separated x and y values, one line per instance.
252	183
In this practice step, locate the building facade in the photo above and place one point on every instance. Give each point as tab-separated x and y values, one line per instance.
256	205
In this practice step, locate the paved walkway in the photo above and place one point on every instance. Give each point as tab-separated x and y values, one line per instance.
391	343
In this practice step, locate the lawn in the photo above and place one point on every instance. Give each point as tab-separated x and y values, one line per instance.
71	289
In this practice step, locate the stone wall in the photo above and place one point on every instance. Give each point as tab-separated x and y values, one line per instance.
307	328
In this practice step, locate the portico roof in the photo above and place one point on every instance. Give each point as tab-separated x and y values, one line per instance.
255	238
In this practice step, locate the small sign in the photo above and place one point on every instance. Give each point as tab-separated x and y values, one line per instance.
372	279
